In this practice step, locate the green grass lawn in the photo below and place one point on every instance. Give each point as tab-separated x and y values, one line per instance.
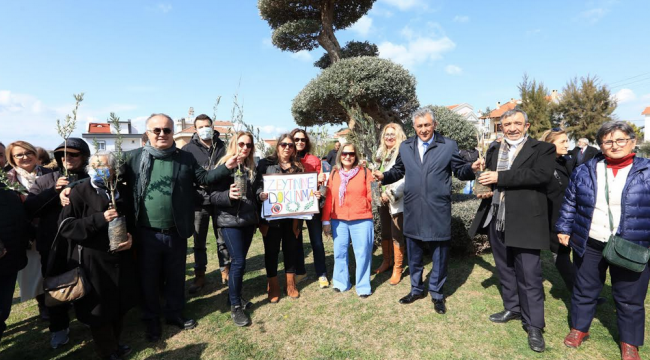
323	324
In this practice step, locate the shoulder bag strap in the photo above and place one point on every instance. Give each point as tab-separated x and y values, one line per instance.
609	211
52	255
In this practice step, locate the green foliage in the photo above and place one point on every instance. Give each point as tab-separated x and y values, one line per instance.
644	149
351	49
463	211
638	131
67	126
318	137
537	106
585	106
118	155
455	127
237	119
365	134
6	184
306	24
383	90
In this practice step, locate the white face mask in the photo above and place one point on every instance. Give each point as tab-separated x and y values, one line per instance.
206	133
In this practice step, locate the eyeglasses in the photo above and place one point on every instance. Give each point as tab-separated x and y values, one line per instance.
389	136
157	131
350	154
248	145
289	145
304	140
619	142
24	155
72	155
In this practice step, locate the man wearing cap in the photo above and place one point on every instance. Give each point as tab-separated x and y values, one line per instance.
43	203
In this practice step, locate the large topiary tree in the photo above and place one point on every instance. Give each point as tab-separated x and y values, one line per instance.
383	90
352	76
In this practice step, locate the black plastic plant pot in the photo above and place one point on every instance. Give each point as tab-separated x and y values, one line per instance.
117	232
240	182
480	189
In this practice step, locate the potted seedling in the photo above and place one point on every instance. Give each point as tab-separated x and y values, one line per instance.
117	232
65	129
480	189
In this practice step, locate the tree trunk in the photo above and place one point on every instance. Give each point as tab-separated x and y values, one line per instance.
326	38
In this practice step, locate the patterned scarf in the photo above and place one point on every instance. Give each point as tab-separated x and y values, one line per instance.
144	173
26	178
499	196
345	179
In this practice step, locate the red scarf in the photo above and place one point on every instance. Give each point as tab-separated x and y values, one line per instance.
616	164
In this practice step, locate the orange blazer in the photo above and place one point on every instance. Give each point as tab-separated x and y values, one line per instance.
357	204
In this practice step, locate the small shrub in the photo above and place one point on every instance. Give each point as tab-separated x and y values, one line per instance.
463	211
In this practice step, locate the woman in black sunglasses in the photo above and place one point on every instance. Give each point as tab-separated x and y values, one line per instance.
283	231
314	226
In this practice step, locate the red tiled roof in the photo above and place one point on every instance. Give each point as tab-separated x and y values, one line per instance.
220	129
452	107
99	128
646	111
221	123
271	142
343	132
496	113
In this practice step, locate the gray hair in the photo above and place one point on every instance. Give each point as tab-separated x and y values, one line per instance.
111	159
612	126
146	123
422	112
584	140
514	112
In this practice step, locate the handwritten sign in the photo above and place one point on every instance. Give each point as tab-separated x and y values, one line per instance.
290	195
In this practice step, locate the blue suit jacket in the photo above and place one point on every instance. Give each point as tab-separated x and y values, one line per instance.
427	186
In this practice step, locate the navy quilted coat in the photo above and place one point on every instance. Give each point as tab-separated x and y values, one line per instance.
580	199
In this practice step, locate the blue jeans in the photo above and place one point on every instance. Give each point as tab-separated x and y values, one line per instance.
238	241
362	234
315	229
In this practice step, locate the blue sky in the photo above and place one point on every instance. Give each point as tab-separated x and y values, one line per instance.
140	57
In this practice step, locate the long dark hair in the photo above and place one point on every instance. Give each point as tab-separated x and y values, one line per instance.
296	165
307	144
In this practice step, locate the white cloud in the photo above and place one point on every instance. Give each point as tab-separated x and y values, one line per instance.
645	97
453	70
461	18
625	95
406	4
363	26
272	130
302	55
164	7
418	50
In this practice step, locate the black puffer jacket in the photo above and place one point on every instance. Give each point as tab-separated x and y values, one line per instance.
234	213
207	158
13	224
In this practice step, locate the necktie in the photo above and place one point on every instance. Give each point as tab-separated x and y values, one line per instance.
425	145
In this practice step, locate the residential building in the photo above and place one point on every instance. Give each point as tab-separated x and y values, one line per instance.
467	111
105	135
492	120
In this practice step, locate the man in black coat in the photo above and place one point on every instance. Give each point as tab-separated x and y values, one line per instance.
331	155
207	149
43	203
583	152
427	162
13	247
515	217
162	178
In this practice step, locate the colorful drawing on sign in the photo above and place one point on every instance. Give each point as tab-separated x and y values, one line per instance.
290	195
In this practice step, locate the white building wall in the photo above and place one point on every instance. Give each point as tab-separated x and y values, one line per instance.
646	130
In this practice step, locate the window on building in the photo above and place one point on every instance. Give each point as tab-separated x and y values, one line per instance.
101	145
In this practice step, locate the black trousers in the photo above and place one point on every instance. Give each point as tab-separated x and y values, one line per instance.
162	257
520	275
107	337
629	290
7	287
276	237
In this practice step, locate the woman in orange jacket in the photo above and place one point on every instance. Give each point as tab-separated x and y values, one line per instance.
348	215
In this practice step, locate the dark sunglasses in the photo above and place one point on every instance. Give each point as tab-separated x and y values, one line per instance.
351	154
157	131
300	140
557	129
72	155
290	145
248	145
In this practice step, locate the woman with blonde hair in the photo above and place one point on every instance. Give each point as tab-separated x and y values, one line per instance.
348	216
22	156
236	212
391	211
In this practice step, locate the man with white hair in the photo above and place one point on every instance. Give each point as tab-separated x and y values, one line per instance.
583	152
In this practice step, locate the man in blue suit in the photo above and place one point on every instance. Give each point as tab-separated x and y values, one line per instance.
426	161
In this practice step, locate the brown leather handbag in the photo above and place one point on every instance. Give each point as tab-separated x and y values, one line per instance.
68	287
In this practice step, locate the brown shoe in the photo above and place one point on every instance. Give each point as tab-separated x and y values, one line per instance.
387	252
199	282
575	338
273	289
629	352
398	268
292	290
224	274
